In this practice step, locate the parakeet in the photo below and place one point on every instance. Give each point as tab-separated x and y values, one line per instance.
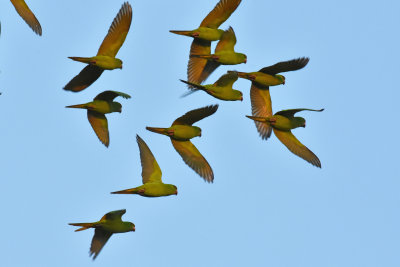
181	131
221	89
224	55
203	35
25	13
109	224
282	123
102	104
105	58
151	176
261	80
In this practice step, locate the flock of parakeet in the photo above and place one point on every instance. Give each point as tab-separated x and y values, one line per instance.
201	64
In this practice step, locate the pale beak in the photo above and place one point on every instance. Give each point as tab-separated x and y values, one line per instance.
176	192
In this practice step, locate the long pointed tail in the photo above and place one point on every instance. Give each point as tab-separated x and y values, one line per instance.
193	85
157	130
83	226
260	119
126	191
82	59
78	106
185	33
242	75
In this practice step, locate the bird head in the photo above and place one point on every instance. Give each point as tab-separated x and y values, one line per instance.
176	190
300	122
243	57
116	107
281	78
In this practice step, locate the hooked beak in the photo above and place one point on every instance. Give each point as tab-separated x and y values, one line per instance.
176	192
245	60
200	134
133	229
241	98
283	82
252	77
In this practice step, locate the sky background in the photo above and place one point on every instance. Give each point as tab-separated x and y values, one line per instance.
266	207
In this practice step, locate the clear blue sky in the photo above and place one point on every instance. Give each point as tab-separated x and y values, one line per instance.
266	207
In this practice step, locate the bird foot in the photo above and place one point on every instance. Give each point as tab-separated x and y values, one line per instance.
195	34
170	132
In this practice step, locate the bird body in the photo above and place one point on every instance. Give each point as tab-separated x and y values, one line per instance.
151	176
282	123
103	62
203	33
109	224
180	133
221	89
263	79
105	58
102	104
225	57
151	190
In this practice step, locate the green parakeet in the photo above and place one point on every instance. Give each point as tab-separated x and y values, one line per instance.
181	132
25	13
109	224
221	89
151	176
105	58
224	55
203	35
102	104
282	123
261	80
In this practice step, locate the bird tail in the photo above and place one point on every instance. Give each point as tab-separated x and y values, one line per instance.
185	33
78	106
193	85
126	191
157	130
82	59
83	226
260	119
209	57
242	74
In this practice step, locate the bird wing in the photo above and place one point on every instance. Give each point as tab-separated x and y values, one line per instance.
227	42
221	12
193	158
227	79
290	112
285	66
115	215
24	11
117	32
100	126
84	79
99	239
151	171
199	69
296	147
195	115
110	95
261	106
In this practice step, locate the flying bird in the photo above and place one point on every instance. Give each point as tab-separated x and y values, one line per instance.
105	58
181	131
224	55
27	15
261	80
282	123
102	104
221	89
151	176
109	224
207	31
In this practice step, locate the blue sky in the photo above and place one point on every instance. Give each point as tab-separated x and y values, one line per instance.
266	207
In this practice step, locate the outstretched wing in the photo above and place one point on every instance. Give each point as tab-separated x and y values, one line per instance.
113	215
84	79
285	66
296	147
227	79
100	238
199	69
193	158
261	106
290	112
110	95
151	172
221	12
117	32
195	115
24	11
227	42
100	126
